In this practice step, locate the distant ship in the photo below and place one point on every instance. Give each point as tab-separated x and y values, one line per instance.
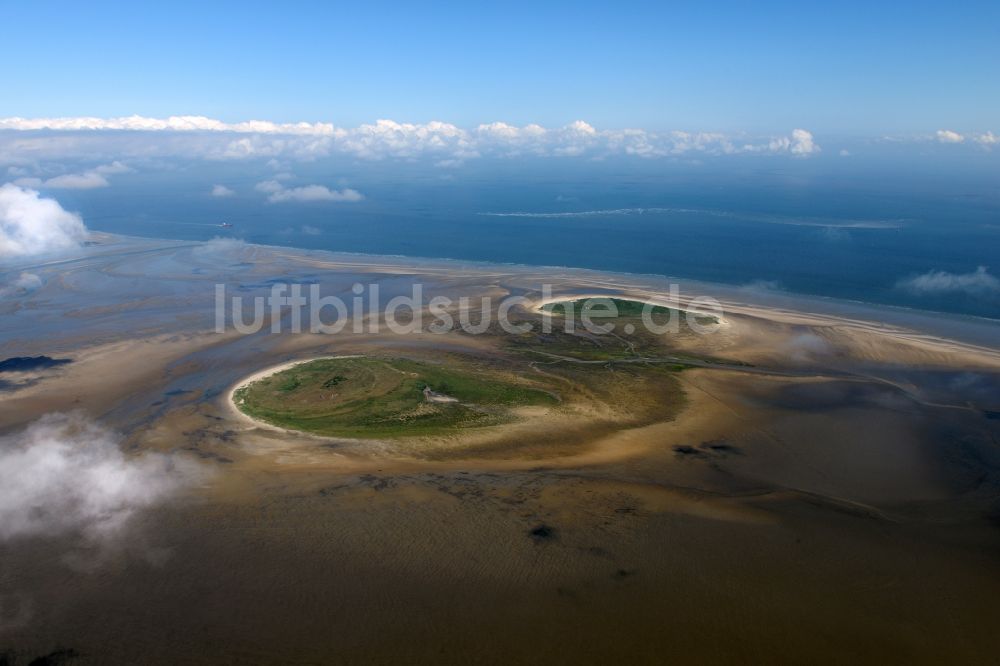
226	225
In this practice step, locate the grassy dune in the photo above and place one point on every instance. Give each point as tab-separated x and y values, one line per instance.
372	397
605	310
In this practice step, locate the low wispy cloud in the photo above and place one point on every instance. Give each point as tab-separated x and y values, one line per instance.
806	347
31	224
77	181
221	191
825	223
942	283
443	143
65	474
24	283
88	180
984	139
278	193
987	139
222	248
761	285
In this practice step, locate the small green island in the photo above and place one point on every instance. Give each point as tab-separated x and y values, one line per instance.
604	308
369	397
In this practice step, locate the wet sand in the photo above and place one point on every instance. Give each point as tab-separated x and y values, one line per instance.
843	509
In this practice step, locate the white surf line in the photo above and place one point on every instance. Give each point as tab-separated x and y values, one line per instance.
791	220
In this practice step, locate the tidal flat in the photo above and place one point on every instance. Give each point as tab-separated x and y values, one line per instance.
813	482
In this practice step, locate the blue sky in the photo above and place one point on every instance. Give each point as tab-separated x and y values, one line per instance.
852	68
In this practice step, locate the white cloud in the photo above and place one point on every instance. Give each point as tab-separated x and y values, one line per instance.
77	181
803	143
88	180
231	248
30	224
581	127
440	142
172	124
987	139
269	186
66	474
278	193
806	347
111	169
800	144
30	182
948	136
978	282
221	191
25	283
387	138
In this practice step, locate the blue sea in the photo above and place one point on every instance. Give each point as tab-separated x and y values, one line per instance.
846	228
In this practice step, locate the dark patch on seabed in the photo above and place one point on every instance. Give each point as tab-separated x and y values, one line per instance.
543	533
715	448
29	363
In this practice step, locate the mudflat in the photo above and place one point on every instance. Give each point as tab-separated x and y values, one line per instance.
799	485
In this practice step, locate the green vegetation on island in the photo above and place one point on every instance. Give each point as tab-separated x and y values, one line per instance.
603	309
373	397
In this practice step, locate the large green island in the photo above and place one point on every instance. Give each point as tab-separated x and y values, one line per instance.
385	397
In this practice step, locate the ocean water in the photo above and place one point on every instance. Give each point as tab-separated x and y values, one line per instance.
835	227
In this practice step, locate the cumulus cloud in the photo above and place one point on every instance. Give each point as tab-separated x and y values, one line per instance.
65	474
800	144
278	193
31	224
948	136
441	142
221	191
977	283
